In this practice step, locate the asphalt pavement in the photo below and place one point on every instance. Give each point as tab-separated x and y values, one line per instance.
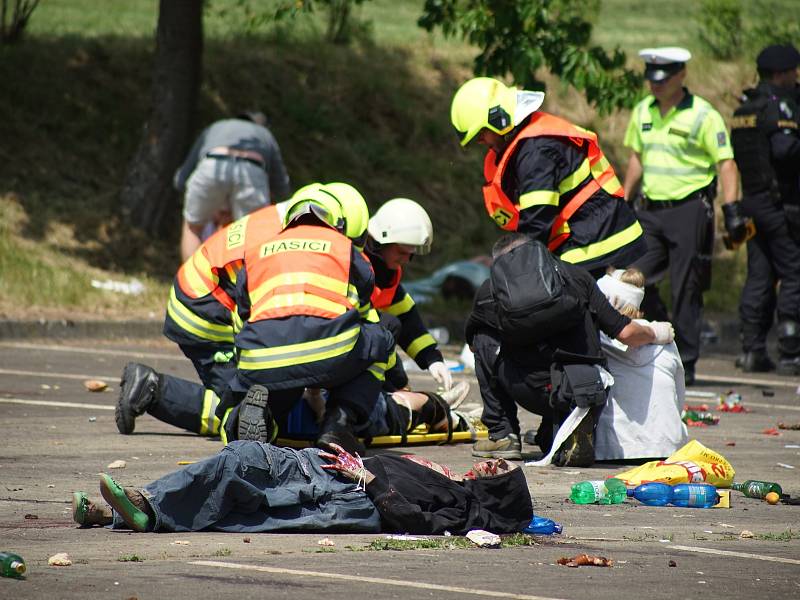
57	436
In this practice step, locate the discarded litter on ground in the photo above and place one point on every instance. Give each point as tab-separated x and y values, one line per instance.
585	560
694	463
483	539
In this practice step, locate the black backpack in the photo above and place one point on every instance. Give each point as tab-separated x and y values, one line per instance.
532	297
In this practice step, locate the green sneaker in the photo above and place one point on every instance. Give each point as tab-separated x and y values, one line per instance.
131	505
86	512
507	447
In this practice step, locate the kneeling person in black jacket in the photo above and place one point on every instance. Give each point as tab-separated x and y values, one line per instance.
511	371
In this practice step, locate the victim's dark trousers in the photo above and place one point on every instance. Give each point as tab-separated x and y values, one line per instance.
772	256
679	242
504	384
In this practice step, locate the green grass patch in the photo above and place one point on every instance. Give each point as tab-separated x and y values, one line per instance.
222	552
782	536
441	543
130	558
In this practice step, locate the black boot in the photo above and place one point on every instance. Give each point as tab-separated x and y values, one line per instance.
755	361
337	428
255	416
789	365
138	389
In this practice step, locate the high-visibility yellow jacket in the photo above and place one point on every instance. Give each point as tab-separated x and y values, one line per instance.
679	151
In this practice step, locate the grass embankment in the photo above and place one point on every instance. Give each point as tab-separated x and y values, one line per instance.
374	114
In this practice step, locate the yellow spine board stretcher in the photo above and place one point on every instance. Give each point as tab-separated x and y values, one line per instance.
476	430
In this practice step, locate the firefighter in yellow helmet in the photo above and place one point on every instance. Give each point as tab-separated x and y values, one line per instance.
304	299
546	177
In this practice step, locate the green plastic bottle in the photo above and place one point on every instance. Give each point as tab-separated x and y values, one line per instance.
11	565
753	488
610	491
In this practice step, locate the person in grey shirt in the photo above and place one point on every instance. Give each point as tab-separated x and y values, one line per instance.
234	167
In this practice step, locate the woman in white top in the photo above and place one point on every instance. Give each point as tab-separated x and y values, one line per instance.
642	418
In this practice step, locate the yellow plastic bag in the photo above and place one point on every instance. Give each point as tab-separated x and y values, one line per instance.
694	463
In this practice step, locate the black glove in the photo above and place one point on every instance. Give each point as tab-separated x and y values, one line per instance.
792	214
735	223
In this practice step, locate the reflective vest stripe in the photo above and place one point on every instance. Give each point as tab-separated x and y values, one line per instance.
195	325
372	315
294	354
653	170
282	305
378	370
401	307
222	432
196	276
299	278
538	198
572	181
422	342
209	423
606	246
673	150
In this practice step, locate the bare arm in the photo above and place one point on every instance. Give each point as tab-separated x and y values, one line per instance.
729	177
634	335
190	239
633	174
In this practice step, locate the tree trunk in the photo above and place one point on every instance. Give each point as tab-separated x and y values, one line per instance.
147	193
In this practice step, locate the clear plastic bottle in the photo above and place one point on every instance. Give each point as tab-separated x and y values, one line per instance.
753	488
11	565
610	491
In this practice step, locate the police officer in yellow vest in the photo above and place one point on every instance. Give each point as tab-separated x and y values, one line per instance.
546	177
680	146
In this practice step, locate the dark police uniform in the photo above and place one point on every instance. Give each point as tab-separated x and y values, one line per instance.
767	151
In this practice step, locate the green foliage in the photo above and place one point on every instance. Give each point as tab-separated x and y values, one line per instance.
773	23
342	26
721	30
223	552
519	38
729	29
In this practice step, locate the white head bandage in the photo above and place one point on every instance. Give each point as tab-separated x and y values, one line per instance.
625	293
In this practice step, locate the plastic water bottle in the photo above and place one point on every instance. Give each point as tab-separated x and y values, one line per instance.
687	495
757	489
11	565
652	494
610	491
694	495
542	526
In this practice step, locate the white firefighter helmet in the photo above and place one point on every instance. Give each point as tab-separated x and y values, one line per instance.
402	221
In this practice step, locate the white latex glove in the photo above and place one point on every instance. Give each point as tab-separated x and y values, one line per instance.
663	331
441	374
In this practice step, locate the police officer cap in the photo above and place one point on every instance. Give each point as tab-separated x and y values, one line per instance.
777	58
662	63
